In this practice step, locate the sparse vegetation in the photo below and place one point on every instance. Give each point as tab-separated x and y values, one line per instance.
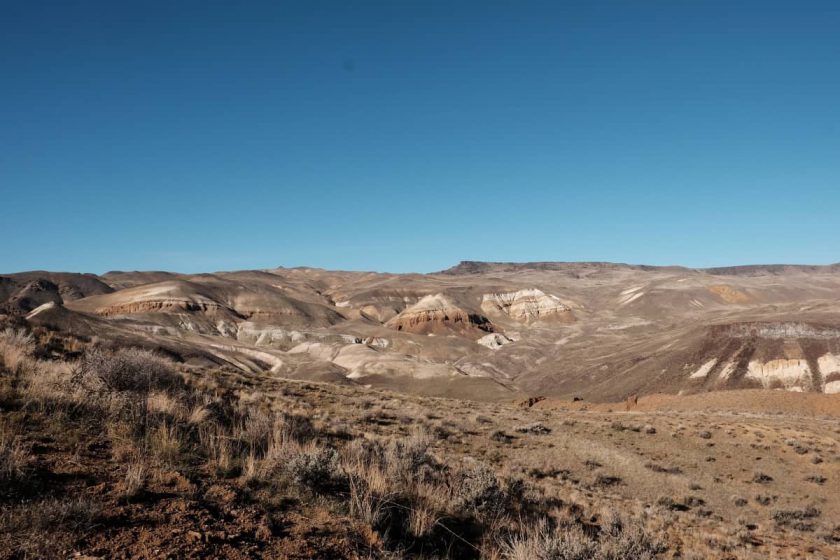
535	428
383	480
799	519
656	467
761	478
571	542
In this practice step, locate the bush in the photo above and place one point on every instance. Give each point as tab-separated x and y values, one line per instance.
616	541
607	480
16	347
761	478
478	490
545	544
622	542
501	436
406	457
129	370
535	428
656	467
317	470
799	519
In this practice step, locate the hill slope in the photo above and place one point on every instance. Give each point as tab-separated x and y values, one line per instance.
601	331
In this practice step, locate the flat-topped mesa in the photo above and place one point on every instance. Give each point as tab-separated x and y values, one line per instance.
437	314
573	268
528	306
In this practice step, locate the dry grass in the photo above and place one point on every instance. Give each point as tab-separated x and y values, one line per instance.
14	456
165	443
135	480
407	477
16	347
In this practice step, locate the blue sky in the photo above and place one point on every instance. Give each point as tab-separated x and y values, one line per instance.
407	136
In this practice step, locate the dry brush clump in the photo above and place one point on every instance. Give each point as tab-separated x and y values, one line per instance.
129	370
799	519
614	539
16	348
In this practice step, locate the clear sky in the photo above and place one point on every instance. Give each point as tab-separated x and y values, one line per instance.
407	136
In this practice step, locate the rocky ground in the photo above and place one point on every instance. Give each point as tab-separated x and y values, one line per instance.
115	453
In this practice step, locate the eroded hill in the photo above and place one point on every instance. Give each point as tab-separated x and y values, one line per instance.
496	331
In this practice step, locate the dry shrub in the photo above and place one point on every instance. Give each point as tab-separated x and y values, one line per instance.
295	427
543	543
656	467
366	465
761	478
16	347
607	480
621	539
799	519
288	437
402	460
129	370
535	428
617	540
317	469
398	489
478	491
257	430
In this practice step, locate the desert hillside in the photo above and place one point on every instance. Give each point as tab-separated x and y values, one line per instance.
108	451
490	331
490	411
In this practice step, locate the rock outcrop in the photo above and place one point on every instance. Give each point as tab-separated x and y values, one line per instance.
437	314
777	330
494	341
790	374
730	295
528	306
